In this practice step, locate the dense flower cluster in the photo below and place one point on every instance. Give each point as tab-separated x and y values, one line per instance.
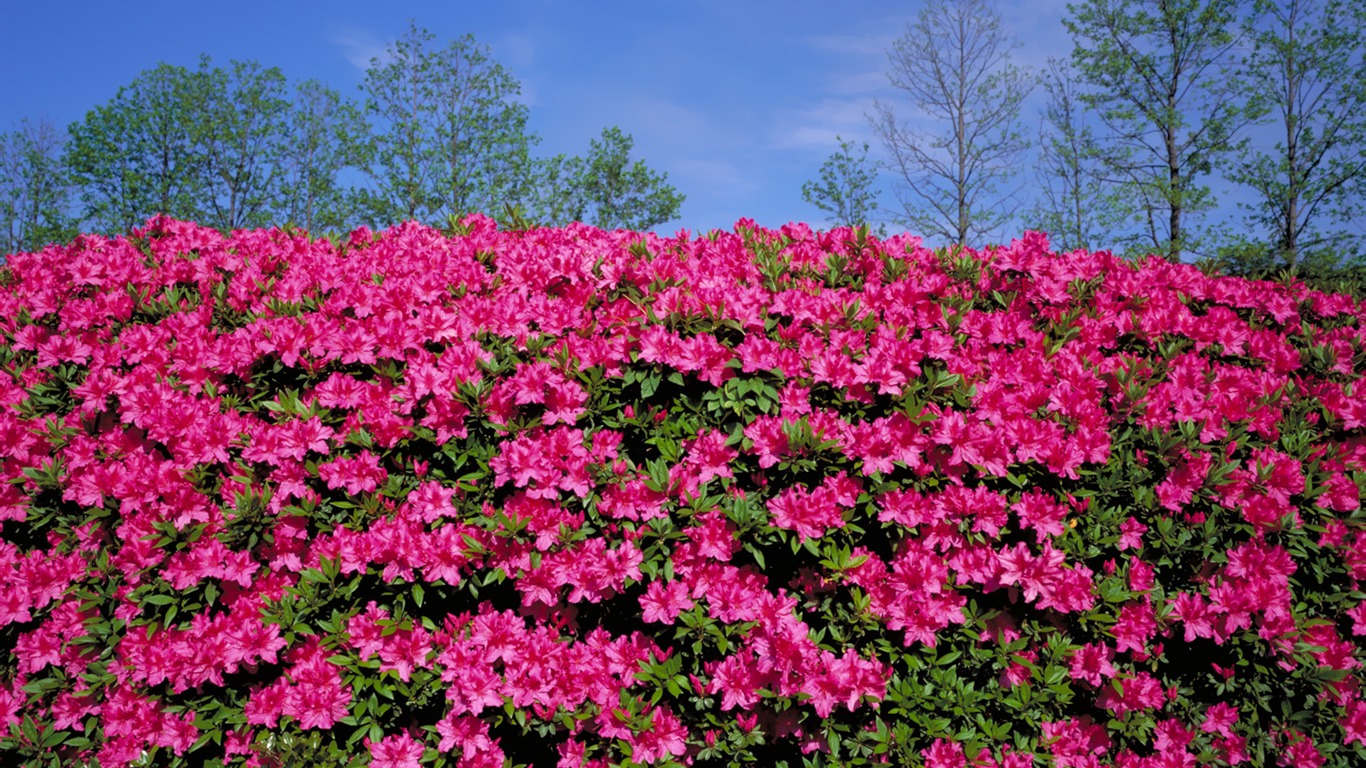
581	498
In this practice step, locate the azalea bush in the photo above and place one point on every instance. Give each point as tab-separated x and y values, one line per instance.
568	497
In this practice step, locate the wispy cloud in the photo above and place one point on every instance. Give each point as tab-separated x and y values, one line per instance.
823	124
857	82
668	123
721	178
873	44
516	52
361	47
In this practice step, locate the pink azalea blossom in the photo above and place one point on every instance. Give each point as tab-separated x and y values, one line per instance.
399	750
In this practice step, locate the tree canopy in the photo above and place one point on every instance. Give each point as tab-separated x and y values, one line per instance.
438	131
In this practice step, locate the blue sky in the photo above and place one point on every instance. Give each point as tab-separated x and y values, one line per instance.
739	102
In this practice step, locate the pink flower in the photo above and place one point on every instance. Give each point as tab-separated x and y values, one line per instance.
736	679
1195	612
397	751
1141	691
710	455
321	705
1076	738
405	650
1299	751
845	679
944	754
470	734
1042	513
357	474
1172	736
1354	722
1220	718
1092	663
1184	481
662	602
1135	627
1233	749
1131	534
665	738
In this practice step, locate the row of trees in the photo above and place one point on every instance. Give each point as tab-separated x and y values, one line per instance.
438	131
1159	99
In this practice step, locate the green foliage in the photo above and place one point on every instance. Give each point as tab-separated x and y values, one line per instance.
446	136
440	134
1076	207
325	133
1157	76
1323	268
34	189
135	156
845	190
605	188
1307	68
208	144
241	129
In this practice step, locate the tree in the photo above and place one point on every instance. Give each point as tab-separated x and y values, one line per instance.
1308	67
323	135
845	190
554	199
445	137
605	188
1159	81
615	193
954	63
1075	205
137	155
238	118
206	144
34	190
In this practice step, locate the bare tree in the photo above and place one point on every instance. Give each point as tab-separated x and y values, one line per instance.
954	64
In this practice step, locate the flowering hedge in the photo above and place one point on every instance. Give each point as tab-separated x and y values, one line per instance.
569	497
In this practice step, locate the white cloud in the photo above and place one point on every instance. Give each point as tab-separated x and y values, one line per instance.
722	178
670	124
874	44
361	47
823	124
516	52
857	82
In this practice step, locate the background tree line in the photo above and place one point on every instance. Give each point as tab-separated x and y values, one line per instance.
1159	99
436	132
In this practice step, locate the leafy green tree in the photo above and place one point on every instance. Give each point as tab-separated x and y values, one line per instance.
240	127
553	199
1075	205
208	144
446	136
845	190
1158	76
324	132
1308	68
34	190
616	193
954	64
604	188
137	155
